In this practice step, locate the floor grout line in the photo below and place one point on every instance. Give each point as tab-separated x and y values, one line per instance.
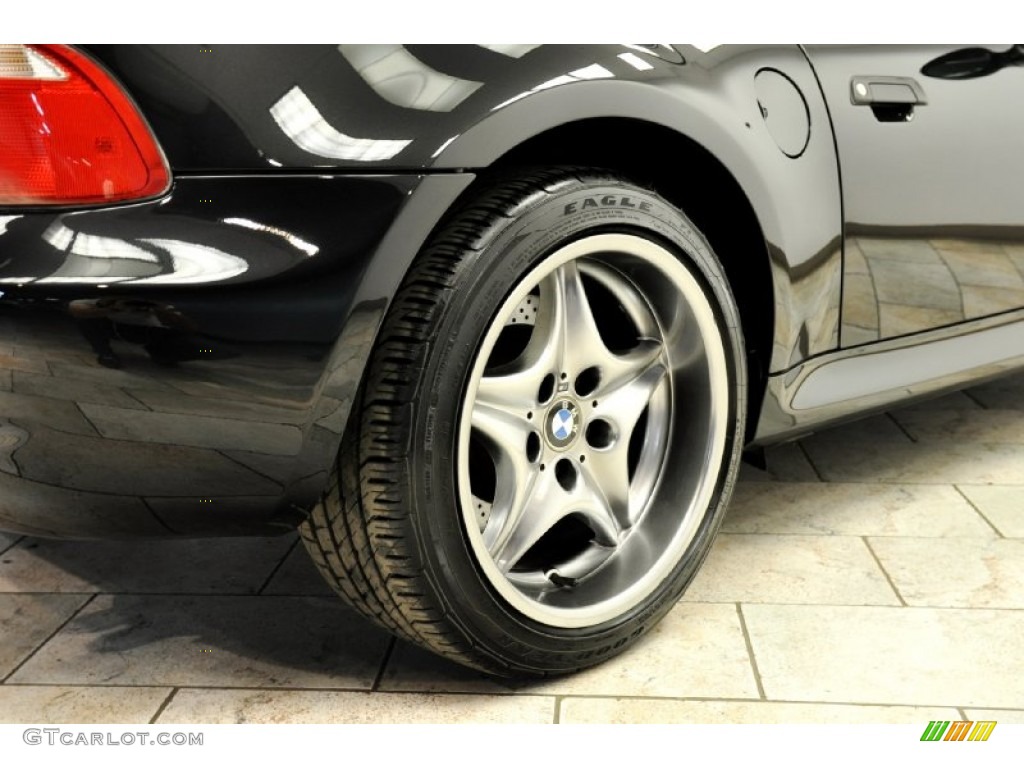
978	510
888	578
388	651
278	567
900	427
12	545
807	455
750	653
163	706
970	396
88	421
560	698
557	714
48	638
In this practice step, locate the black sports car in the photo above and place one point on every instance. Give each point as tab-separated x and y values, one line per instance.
491	325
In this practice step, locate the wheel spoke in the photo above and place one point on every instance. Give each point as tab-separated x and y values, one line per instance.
582	345
541	506
502	429
529	514
619	371
623	404
607	471
592	502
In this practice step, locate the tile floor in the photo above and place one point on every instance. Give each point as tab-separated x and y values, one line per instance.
874	573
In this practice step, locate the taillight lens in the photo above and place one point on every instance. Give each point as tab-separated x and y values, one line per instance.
69	134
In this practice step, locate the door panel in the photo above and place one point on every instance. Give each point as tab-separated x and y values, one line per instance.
932	172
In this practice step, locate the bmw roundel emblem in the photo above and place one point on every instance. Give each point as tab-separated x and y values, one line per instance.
563	423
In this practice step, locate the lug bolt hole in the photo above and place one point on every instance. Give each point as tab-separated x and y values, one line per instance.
600	434
533	447
547	389
587	381
565	474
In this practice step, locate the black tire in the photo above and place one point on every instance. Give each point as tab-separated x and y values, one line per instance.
393	534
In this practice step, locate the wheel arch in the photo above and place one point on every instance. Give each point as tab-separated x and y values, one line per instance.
717	205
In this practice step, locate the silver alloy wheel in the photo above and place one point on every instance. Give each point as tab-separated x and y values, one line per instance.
593	430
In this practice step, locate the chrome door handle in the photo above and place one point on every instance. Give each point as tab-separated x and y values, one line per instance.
892	99
882	89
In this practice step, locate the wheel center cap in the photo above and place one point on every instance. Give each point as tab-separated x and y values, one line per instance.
562	423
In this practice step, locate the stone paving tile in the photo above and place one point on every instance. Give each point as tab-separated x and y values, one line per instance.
240	706
1002	716
131	468
983	301
281	469
412	669
853	509
874	429
27	620
72	389
911	250
955	573
901	319
271	642
191	566
1003	505
954	401
1016	254
970	247
609	710
195	431
765	568
1005	393
48	508
172	401
6	380
298	576
56	351
697	650
30	412
62	704
907	284
989	269
853	335
786	463
12	437
841	460
860	305
109	377
876	655
989	426
28	364
854	262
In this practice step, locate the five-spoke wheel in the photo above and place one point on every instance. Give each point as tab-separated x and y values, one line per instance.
548	431
567	425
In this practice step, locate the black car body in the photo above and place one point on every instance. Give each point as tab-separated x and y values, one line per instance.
188	364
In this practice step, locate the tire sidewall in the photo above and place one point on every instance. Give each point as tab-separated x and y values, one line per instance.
507	251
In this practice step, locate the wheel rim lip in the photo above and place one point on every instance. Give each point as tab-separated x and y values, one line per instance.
608	248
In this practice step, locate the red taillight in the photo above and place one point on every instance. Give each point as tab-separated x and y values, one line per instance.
69	134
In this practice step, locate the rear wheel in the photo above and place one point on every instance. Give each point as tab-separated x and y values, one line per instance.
549	431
